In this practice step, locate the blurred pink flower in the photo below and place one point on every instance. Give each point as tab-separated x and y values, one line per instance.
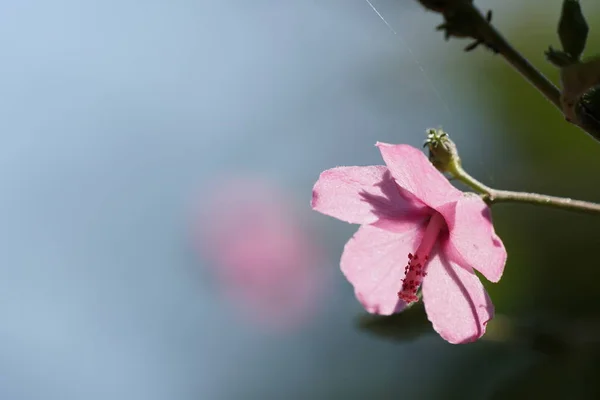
264	259
416	229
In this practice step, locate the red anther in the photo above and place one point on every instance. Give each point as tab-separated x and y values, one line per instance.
414	273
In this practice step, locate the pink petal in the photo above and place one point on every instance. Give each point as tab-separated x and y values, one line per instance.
374	260
473	241
361	195
455	300
415	173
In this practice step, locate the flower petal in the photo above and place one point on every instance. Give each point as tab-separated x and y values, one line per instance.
415	173
455	300
374	260
473	241
362	195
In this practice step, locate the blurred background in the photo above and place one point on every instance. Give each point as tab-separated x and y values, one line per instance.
138	136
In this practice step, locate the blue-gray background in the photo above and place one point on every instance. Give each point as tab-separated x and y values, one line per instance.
115	115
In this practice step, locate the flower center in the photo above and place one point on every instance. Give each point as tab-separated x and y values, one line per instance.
416	268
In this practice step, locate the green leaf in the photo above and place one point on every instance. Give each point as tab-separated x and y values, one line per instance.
572	28
404	327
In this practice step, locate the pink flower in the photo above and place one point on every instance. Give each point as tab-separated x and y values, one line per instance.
416	230
266	263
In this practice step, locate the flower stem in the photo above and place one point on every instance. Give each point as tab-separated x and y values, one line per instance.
498	196
493	196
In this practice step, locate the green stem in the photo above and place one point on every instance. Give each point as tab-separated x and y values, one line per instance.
459	173
492	37
492	196
565	203
463	19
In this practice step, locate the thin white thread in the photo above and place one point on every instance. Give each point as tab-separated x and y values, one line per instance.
381	16
414	58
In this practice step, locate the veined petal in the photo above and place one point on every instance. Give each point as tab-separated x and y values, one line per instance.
455	300
362	195
374	260
415	173
473	241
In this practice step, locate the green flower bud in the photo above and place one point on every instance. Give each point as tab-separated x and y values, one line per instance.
572	29
442	151
587	111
